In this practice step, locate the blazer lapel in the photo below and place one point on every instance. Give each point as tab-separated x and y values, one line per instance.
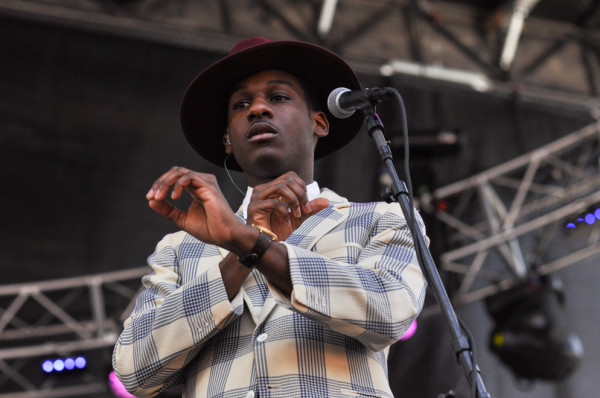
311	230
306	236
314	227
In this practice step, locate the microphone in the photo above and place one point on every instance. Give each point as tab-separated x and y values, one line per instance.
342	102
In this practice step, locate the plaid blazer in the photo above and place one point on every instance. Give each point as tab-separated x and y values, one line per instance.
357	288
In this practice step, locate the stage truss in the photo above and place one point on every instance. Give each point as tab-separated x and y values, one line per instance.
514	46
510	222
61	318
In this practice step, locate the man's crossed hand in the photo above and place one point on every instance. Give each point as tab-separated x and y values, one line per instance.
280	205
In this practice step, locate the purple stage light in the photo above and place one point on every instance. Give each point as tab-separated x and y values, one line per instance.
117	387
410	332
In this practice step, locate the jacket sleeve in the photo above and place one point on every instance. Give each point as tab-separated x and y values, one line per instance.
362	279
172	320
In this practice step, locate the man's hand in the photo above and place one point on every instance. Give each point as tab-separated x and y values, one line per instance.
282	205
208	218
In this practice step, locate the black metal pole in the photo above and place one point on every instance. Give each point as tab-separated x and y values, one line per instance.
460	342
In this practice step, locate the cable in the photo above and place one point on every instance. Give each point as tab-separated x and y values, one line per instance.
412	219
229	175
418	250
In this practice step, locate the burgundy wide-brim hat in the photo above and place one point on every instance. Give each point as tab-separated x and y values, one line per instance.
204	105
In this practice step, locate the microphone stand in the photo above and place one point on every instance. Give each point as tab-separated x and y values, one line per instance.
399	193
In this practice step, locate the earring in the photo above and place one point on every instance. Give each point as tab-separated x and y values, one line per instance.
226	139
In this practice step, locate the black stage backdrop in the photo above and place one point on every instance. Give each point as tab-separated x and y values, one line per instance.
88	121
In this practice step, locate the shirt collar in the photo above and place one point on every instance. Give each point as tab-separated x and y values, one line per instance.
312	191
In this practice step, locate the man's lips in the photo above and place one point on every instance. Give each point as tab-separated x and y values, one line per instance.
260	131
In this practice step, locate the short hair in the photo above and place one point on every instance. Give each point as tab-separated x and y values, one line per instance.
314	101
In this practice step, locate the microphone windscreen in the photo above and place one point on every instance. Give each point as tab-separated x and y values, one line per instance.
333	104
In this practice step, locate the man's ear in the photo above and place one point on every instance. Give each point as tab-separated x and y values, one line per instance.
227	144
321	124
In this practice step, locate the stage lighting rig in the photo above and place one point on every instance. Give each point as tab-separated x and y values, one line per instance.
531	335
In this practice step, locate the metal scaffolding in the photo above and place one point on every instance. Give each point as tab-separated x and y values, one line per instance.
60	318
517	46
510	222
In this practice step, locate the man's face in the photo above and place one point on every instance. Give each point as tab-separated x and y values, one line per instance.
271	128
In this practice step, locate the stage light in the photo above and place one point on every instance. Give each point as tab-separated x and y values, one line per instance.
59	365
80	362
410	332
589	218
117	387
69	363
63	365
530	335
48	366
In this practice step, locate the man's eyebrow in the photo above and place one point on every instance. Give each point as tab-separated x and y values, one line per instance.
275	82
269	82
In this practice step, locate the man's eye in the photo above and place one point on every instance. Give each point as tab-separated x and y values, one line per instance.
279	98
240	105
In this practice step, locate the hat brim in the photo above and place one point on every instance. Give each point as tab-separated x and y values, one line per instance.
204	105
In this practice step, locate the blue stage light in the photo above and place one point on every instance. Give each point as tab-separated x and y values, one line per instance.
63	365
48	366
80	362
590	218
69	363
59	365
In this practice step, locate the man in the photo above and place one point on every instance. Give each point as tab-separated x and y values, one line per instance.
300	293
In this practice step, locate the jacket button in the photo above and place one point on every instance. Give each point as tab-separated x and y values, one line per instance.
262	337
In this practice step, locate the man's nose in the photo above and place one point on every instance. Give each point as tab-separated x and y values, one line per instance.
260	108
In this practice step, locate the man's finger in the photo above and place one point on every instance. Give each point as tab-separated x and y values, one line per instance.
318	204
161	185
167	210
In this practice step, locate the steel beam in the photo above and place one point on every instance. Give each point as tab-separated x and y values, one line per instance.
516	201
61	329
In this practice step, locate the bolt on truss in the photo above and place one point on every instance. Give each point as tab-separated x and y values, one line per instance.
60	318
509	222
